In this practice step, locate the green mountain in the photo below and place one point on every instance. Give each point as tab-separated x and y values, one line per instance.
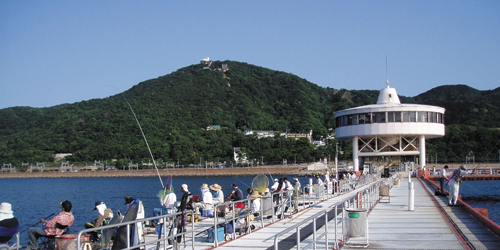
175	110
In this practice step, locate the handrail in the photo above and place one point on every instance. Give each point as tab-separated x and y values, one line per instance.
130	223
16	245
279	203
369	198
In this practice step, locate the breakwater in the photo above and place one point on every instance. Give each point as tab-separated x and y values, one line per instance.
245	171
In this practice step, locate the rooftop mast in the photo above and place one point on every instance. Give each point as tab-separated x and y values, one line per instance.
386	73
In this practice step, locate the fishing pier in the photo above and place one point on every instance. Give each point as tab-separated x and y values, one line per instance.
369	212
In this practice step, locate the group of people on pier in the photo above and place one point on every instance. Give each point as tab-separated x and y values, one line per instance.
210	196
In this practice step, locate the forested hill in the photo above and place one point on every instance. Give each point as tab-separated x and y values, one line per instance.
465	105
174	111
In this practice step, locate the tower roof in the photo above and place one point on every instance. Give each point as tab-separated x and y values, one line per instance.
388	96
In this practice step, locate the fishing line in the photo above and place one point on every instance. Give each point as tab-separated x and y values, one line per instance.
241	182
488	153
269	173
144	136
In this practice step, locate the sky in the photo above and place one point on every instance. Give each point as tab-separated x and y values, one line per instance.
56	52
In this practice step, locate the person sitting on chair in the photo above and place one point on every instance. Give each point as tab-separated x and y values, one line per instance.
105	216
9	225
53	227
206	201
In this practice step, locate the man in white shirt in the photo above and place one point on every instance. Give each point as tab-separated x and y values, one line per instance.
443	178
274	186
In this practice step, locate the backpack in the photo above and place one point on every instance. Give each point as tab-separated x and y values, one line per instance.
457	176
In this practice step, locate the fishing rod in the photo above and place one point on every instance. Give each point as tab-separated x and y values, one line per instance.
487	154
269	173
144	136
36	223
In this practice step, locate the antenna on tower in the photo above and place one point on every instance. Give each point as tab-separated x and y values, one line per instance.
386	73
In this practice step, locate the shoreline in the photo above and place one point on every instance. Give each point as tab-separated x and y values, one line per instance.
290	170
297	170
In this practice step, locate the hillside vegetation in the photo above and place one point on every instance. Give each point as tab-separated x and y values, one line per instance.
174	111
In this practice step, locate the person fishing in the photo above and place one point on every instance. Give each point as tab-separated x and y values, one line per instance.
53	227
217	194
236	195
274	187
138	234
442	179
104	217
206	201
9	225
181	220
288	188
454	182
167	199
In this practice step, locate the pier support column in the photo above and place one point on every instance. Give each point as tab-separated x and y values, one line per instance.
421	159
355	158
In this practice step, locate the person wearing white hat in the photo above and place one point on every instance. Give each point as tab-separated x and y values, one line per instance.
9	225
205	201
217	194
182	219
274	187
104	217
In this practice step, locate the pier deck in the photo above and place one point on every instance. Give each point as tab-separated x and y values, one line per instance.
431	225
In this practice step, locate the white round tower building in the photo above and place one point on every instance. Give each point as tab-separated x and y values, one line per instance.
389	128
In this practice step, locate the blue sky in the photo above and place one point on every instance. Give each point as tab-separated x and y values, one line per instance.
55	52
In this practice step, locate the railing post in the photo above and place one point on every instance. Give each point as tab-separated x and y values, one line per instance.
128	235
411	193
326	229
298	238
314	233
192	229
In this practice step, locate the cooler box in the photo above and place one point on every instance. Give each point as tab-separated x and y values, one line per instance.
220	234
68	241
208	213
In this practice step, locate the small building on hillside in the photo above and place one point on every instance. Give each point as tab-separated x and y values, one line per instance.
213	127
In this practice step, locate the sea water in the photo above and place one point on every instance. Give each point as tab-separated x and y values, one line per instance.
33	199
483	194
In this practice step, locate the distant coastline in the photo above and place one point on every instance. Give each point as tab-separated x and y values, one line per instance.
277	170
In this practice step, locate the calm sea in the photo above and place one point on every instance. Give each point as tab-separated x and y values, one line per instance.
33	199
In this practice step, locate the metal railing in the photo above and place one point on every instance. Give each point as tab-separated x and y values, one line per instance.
16	245
367	198
272	208
129	224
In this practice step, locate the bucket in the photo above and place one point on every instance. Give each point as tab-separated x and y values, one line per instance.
68	241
